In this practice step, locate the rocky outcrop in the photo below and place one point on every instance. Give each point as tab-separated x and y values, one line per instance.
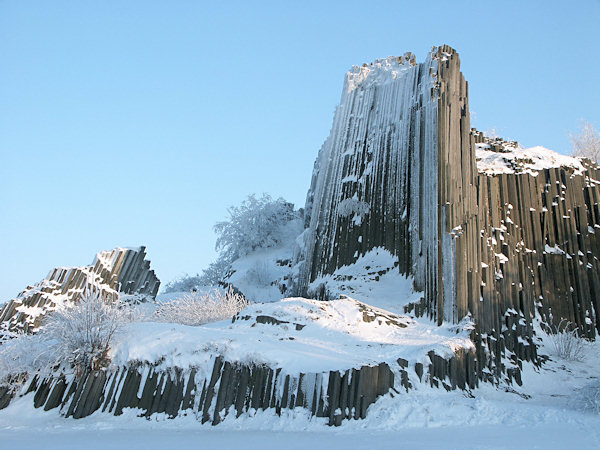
399	171
121	271
384	176
333	359
211	393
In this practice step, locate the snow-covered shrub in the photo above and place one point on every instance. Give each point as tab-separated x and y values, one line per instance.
23	354
78	336
586	144
256	223
565	342
84	330
588	397
198	308
211	276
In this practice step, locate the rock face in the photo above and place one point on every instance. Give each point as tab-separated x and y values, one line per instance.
123	271
383	178
210	395
399	171
236	388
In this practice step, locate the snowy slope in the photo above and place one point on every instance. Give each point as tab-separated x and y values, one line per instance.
374	278
260	274
264	274
294	334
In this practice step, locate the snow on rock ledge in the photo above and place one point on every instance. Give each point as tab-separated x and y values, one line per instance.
523	160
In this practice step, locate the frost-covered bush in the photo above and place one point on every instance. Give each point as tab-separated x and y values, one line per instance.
215	272
78	336
211	276
586	144
256	223
22	354
84	330
199	308
565	343
588	397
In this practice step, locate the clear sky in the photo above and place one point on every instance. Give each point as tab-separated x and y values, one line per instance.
126	123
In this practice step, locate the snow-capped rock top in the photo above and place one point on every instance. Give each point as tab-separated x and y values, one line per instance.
516	159
380	71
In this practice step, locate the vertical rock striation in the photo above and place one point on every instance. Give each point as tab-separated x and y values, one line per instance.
222	387
122	271
399	170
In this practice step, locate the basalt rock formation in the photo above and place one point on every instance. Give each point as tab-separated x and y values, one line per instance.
400	171
216	385
495	238
210	396
230	388
122	271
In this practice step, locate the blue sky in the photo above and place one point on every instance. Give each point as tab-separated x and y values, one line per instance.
139	122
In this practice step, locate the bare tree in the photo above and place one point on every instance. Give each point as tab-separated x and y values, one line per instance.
587	143
84	331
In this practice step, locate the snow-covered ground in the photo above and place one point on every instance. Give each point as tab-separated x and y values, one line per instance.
372	279
311	336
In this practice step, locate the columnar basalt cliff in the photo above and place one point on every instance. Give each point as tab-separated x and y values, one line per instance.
211	395
495	239
538	244
397	172
122	271
231	388
400	171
